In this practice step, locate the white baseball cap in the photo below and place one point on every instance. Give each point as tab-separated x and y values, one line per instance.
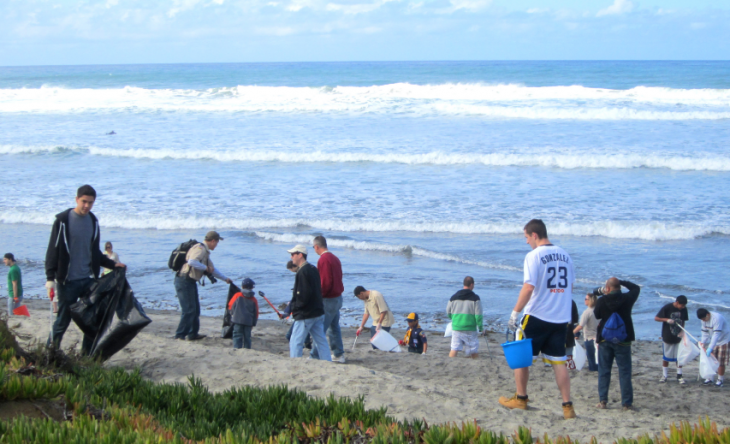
301	248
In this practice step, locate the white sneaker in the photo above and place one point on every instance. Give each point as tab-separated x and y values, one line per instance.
681	380
663	379
341	359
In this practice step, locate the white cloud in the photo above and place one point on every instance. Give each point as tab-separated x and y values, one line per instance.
181	6
618	7
537	10
353	9
469	5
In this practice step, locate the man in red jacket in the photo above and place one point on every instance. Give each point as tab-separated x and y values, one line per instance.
330	273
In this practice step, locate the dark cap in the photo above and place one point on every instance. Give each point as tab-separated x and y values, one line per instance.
412	317
9	256
248	283
213	235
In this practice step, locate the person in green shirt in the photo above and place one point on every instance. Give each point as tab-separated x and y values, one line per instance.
15	283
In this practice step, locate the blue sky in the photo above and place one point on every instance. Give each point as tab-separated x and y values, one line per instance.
39	32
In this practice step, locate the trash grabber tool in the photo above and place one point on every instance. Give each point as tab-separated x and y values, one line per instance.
353	344
261	293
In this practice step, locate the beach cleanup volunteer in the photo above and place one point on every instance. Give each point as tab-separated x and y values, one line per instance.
197	264
672	316
415	339
244	314
546	297
307	307
715	341
330	273
376	308
467	320
74	261
15	283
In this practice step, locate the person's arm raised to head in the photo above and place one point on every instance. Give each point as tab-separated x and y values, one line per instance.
634	290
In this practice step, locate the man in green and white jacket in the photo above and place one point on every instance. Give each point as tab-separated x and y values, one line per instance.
467	319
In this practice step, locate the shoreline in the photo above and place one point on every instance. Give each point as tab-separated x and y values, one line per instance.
433	387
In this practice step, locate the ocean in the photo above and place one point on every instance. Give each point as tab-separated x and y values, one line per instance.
418	174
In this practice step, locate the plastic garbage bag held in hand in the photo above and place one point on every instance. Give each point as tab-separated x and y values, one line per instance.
514	320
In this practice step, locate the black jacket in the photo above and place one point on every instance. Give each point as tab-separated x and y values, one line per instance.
617	302
57	255
306	302
575	318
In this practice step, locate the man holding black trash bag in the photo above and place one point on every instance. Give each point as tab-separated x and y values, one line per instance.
74	260
197	265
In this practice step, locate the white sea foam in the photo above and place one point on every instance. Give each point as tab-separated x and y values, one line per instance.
691	301
291	238
644	230
616	160
494	101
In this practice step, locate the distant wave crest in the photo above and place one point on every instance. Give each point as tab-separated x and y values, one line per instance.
467	99
616	160
644	230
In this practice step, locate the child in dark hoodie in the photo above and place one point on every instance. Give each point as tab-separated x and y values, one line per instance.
244	314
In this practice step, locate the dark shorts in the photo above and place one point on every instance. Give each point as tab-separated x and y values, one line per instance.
547	338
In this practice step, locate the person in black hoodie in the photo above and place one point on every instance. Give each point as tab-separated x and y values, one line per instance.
74	260
307	307
614	301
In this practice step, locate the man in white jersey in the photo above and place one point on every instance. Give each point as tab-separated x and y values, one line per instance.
546	297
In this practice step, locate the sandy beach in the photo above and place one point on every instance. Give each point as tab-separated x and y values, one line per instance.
433	387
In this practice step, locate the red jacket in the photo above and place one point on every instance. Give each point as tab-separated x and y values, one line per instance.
330	274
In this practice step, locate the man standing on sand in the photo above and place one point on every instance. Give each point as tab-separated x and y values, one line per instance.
330	273
197	265
15	283
715	341
74	260
376	308
614	336
467	320
546	297
672	316
307	307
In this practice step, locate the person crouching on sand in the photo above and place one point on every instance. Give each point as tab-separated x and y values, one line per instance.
415	338
244	314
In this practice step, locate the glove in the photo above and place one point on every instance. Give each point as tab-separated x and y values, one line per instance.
513	320
709	352
401	342
670	321
50	289
357	333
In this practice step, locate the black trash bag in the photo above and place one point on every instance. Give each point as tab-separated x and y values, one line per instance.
227	331
110	314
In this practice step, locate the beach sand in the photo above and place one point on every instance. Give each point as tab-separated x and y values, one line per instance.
434	387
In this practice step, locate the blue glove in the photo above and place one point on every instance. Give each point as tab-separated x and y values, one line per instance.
709	352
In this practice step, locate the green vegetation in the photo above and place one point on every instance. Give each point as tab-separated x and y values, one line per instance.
113	406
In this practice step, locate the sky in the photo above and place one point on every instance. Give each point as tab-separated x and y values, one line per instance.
65	32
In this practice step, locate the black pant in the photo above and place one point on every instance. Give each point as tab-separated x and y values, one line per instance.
68	294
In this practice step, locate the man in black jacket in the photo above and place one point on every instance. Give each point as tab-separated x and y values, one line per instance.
307	307
74	260
618	345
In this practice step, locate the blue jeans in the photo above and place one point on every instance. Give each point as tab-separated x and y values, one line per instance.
332	308
12	305
607	351
187	294
315	327
242	336
591	355
68	294
374	329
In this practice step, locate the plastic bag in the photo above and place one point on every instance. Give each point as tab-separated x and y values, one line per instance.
448	331
384	341
687	351
110	314
708	366
227	330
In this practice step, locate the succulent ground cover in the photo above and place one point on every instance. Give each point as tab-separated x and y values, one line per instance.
55	397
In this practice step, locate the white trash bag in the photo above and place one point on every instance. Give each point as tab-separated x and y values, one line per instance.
384	341
579	357
688	351
708	366
448	331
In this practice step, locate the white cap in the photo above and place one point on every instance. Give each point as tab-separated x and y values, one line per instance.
301	248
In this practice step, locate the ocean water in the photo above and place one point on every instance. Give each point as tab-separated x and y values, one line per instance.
417	173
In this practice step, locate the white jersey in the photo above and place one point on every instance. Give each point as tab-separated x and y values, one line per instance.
550	270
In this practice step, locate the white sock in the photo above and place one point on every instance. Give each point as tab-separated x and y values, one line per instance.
679	371
721	378
665	371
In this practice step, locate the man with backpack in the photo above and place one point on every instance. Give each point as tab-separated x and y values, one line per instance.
197	265
615	334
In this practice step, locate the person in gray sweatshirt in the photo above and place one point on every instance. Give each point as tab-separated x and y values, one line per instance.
244	314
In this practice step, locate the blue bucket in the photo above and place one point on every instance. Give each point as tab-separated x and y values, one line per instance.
518	353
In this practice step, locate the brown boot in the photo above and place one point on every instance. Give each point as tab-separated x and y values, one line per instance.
568	411
514	402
